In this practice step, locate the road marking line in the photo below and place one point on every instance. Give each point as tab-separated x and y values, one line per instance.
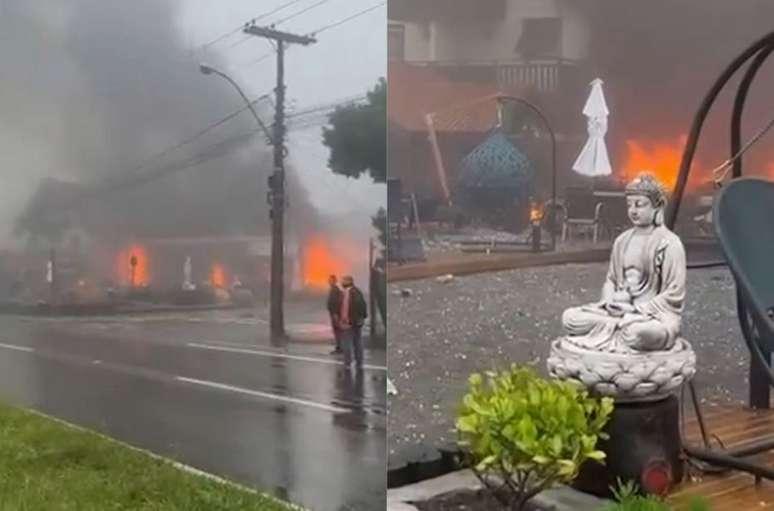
17	348
258	393
278	355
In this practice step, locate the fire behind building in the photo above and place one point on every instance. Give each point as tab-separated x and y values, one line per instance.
448	56
91	264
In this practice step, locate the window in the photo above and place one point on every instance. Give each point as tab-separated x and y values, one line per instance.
540	37
396	42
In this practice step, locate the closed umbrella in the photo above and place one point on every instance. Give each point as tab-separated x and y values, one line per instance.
593	160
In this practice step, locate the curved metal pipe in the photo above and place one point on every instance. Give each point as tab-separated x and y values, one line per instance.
756	352
739	103
698	122
543	118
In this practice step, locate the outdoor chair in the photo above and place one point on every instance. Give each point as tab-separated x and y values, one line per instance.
582	210
742	217
702	220
614	217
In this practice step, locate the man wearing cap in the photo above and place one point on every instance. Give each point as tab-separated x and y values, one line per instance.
334	307
352	316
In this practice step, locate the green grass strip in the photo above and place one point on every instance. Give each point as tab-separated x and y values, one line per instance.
48	466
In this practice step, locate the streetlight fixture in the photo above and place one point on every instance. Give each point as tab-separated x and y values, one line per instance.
276	317
206	69
552	216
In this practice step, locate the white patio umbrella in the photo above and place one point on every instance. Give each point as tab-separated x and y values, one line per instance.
593	160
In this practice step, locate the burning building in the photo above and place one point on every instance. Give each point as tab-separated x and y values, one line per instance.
548	52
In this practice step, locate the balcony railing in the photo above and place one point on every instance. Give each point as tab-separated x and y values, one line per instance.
544	76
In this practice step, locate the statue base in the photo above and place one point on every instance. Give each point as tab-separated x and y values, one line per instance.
644	447
642	376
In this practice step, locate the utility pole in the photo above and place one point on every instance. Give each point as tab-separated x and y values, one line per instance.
277	179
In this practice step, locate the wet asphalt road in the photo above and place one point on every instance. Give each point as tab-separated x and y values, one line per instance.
210	391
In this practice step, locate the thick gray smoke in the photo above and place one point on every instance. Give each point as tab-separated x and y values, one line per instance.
90	88
659	58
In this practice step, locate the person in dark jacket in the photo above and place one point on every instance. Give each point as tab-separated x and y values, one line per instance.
352	316
334	306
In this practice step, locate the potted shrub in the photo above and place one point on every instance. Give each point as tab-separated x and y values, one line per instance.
524	433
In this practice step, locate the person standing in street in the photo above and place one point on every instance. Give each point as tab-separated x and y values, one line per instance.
352	316
334	307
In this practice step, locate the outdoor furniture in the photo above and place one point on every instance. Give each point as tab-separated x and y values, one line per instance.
703	217
614	212
582	209
742	215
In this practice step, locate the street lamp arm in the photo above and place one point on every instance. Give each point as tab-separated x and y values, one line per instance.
247	100
547	125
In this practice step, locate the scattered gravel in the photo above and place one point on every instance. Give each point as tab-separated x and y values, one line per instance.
441	332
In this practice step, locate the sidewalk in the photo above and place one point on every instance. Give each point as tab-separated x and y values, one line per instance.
467	263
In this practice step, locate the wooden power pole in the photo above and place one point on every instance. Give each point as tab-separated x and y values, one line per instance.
277	179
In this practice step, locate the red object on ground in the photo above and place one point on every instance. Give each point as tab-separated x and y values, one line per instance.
656	477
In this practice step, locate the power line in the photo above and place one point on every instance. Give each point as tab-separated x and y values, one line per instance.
329	106
259	59
302	11
146	163
237	29
244	39
349	18
203	156
195	136
210	152
322	29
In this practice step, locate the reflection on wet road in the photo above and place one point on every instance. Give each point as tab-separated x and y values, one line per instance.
213	395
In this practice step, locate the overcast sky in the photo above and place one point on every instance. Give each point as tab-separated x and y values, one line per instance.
346	61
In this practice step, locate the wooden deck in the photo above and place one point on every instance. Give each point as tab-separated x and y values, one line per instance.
733	490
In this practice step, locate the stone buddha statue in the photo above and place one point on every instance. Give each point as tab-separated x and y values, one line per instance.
643	294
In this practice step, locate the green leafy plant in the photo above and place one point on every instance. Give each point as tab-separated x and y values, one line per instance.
628	499
529	432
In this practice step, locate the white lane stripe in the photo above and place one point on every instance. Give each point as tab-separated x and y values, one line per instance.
257	393
17	348
278	355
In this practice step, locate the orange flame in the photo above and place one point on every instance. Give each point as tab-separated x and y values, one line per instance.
660	158
535	213
218	276
137	275
319	262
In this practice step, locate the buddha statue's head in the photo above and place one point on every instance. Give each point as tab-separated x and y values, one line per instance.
645	201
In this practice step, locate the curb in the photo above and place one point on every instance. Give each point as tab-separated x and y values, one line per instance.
105	310
560	498
176	464
494	263
421	462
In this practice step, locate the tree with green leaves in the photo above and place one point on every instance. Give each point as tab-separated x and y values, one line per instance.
357	137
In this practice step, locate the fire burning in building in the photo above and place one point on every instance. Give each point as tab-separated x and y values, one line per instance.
132	266
218	276
662	158
320	260
535	213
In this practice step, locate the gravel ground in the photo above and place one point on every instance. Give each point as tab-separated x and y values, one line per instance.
444	331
